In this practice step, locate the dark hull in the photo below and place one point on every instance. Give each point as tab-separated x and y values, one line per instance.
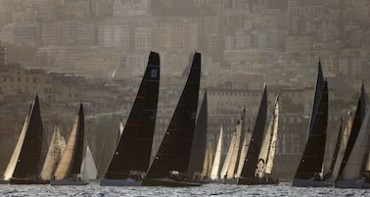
310	183
168	183
67	182
255	181
15	181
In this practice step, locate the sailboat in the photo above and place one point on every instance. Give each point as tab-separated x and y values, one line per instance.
309	172
208	162
352	170
55	151
25	164
131	158
328	174
258	162
215	171
198	156
171	162
69	170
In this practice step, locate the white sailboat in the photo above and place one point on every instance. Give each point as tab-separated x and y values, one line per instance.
217	159
207	165
353	173
231	154
54	153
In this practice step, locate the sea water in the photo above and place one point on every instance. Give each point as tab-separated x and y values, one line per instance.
218	190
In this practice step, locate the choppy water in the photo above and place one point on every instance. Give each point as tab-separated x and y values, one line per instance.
206	190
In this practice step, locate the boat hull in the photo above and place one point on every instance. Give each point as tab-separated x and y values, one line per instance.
120	182
310	183
359	184
255	181
67	182
166	182
25	181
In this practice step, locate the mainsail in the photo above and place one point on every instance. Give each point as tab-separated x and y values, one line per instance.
243	152
357	122
174	152
26	161
198	150
207	164
217	159
231	151
132	154
251	159
311	162
70	164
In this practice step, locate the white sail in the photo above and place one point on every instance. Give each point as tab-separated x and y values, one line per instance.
61	142
272	144
217	158
234	156
207	164
66	161
227	161
358	156
243	153
88	168
343	145
51	157
14	159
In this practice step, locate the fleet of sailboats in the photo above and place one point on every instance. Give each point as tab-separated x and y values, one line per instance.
185	157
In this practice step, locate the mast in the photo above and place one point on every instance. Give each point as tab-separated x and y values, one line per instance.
357	121
217	159
311	163
198	152
174	151
30	161
70	164
254	149
135	145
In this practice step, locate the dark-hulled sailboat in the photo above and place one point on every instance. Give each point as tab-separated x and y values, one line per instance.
26	162
70	170
249	174
352	170
309	172
131	158
171	163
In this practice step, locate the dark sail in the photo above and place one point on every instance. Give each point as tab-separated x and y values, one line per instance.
198	149
255	145
318	94
30	160
311	163
79	154
134	148
357	122
174	151
336	150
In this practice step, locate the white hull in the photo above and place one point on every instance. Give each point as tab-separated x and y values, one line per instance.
360	184
120	182
67	182
310	183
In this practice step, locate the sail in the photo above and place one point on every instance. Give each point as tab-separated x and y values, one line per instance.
343	145
328	172
134	148
217	159
88	167
52	156
250	164
357	121
174	151
243	152
207	164
30	158
357	161
234	156
198	150
70	164
230	152
318	94
267	153
13	160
